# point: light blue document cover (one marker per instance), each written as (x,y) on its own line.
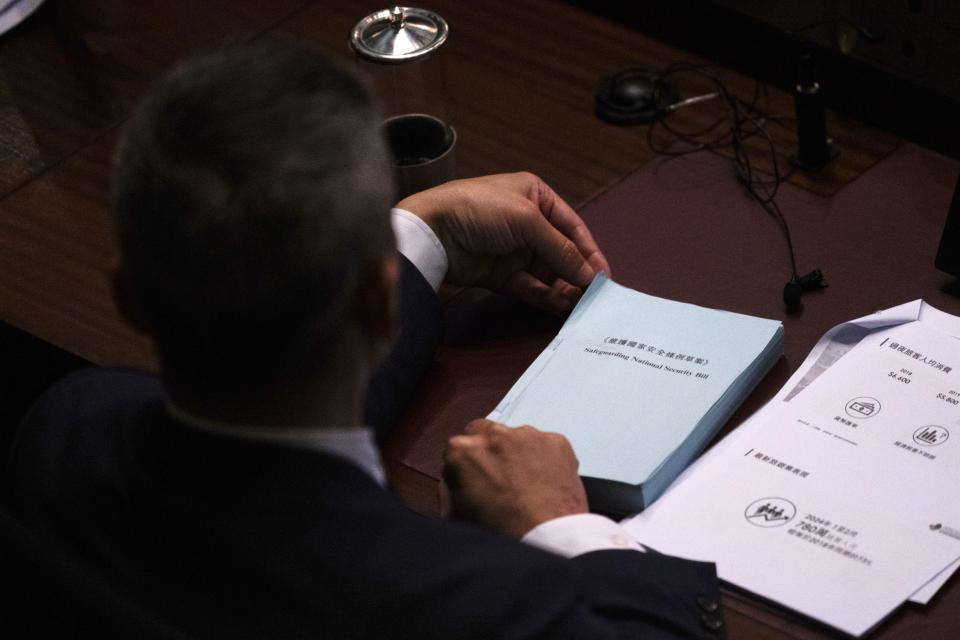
(639,385)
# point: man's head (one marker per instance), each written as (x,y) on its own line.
(251,196)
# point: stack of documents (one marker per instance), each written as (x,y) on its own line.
(639,385)
(838,498)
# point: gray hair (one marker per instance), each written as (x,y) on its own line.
(251,191)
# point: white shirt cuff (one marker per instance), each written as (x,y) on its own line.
(578,534)
(420,245)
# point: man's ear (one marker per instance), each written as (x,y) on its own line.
(380,300)
(127,301)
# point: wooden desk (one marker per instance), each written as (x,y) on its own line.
(520,81)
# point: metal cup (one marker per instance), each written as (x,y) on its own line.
(402,44)
(422,150)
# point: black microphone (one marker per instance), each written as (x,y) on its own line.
(791,294)
(795,288)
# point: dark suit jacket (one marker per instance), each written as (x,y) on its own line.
(226,537)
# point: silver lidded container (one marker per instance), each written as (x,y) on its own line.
(399,35)
(399,48)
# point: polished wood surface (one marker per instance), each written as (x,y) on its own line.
(520,79)
(519,83)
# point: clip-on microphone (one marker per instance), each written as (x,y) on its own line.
(795,288)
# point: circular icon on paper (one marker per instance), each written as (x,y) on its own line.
(863,408)
(770,512)
(930,435)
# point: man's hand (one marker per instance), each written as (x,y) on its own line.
(511,233)
(512,479)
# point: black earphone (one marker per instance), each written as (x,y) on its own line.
(633,96)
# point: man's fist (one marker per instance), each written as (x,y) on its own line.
(512,479)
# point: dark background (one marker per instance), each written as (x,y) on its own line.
(899,73)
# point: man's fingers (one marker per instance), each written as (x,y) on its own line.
(599,263)
(562,216)
(482,426)
(556,299)
(555,249)
(466,450)
(456,454)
